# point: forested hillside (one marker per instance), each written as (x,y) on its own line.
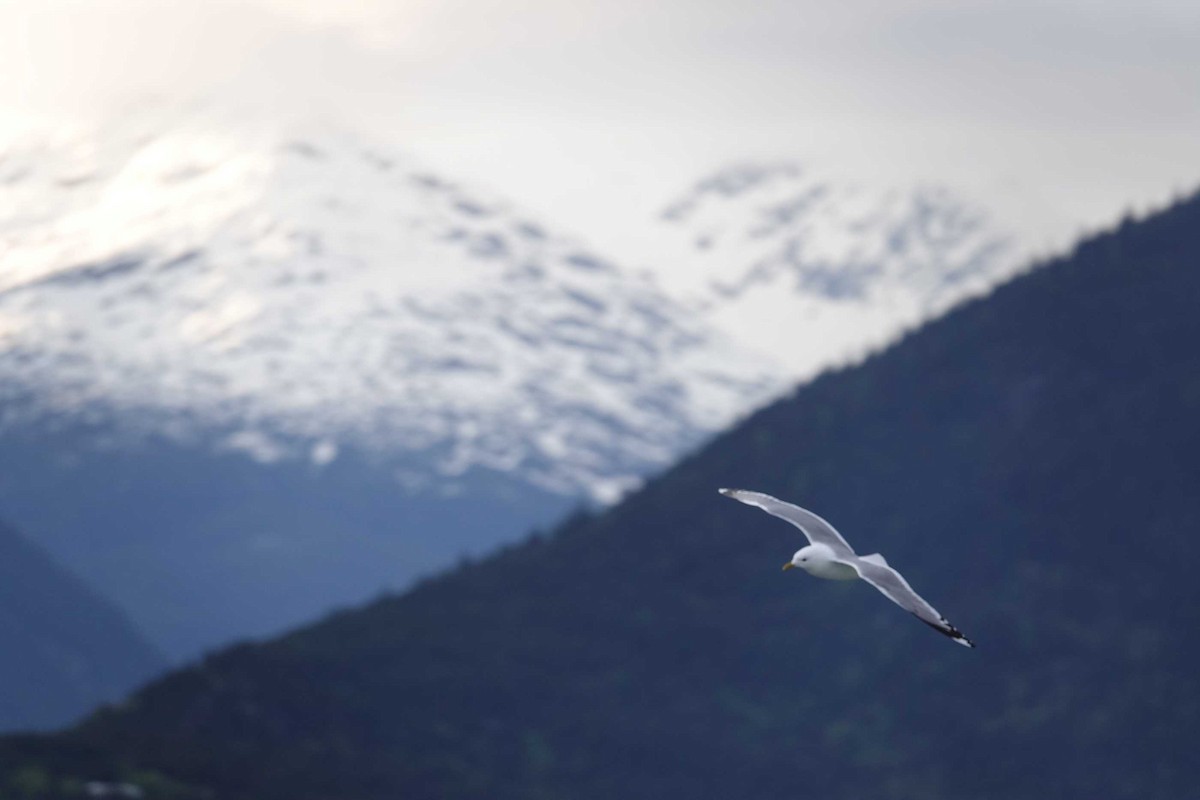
(1028,461)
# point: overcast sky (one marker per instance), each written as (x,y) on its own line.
(594,113)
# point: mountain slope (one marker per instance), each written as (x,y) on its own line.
(236,351)
(1026,461)
(63,649)
(817,270)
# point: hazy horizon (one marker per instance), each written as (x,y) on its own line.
(1057,117)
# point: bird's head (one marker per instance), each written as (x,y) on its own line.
(800,559)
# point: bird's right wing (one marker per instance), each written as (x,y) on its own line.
(816,529)
(893,586)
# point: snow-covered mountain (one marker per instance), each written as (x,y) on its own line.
(290,296)
(815,269)
(248,375)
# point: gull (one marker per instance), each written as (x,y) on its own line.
(829,556)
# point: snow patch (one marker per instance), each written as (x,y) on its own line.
(323,452)
(256,444)
(221,320)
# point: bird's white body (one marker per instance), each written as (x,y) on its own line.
(821,562)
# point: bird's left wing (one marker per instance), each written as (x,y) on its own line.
(816,529)
(895,588)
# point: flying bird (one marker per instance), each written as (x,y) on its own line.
(829,556)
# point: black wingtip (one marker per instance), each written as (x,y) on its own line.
(950,631)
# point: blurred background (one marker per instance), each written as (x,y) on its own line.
(305,304)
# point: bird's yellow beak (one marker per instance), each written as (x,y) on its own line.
(788,566)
